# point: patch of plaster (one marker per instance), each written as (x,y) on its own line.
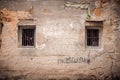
(71,25)
(48,32)
(42,46)
(81,5)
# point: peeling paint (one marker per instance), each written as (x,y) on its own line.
(13,17)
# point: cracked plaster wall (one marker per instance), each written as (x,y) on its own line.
(60,34)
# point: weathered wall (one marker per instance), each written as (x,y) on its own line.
(60,35)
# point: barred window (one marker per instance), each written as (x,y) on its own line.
(27,36)
(93,32)
(92,37)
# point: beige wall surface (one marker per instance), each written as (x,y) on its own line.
(60,51)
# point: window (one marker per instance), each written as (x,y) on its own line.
(26,36)
(93,32)
(92,37)
(1,26)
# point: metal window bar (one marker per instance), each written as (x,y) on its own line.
(27,37)
(92,37)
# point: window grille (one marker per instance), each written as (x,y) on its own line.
(92,37)
(27,37)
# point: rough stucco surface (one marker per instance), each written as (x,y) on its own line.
(60,34)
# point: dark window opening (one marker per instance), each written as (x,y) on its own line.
(27,37)
(1,26)
(92,37)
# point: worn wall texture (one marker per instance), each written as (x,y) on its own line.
(60,36)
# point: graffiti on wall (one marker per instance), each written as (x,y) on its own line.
(73,60)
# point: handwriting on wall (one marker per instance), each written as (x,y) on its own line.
(73,60)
